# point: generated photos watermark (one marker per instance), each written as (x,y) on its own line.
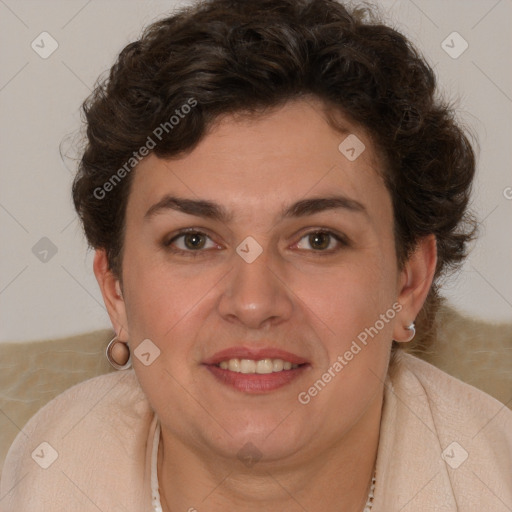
(304,397)
(158,133)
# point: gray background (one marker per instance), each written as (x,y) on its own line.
(39,107)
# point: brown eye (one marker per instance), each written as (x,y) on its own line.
(322,241)
(319,240)
(194,240)
(190,242)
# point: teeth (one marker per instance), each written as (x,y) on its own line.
(247,366)
(277,365)
(234,365)
(262,366)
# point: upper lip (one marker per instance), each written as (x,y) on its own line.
(257,354)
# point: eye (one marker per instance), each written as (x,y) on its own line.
(321,241)
(190,241)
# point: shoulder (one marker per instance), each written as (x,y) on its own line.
(95,398)
(464,417)
(444,390)
(444,444)
(106,418)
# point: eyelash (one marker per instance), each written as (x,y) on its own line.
(342,241)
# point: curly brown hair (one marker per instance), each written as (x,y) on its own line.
(245,56)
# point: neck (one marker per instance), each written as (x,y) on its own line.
(336,479)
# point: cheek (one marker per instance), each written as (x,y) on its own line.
(353,307)
(350,297)
(165,305)
(163,296)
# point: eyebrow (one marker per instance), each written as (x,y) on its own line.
(214,211)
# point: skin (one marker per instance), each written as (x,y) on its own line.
(294,296)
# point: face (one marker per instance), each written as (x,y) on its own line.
(265,244)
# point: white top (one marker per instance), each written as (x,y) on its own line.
(443,446)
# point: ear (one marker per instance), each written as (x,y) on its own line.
(414,284)
(110,287)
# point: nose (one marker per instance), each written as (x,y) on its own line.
(255,295)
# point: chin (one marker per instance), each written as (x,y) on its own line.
(259,441)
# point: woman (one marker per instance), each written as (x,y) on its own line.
(273,192)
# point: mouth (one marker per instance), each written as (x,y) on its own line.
(262,366)
(256,371)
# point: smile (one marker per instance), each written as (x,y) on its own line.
(262,366)
(255,370)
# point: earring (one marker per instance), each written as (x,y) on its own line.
(122,352)
(412,332)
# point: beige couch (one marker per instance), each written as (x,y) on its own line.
(33,373)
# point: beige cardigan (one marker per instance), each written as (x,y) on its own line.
(444,446)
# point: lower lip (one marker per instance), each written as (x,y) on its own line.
(256,383)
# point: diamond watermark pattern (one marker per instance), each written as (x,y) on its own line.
(44,45)
(45,455)
(44,250)
(454,455)
(454,45)
(147,352)
(249,249)
(249,454)
(351,147)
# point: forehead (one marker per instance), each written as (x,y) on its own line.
(260,163)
